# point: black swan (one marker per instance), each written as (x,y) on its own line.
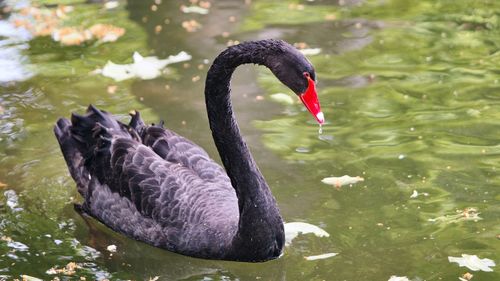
(155,186)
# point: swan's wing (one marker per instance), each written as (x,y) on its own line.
(130,188)
(174,197)
(177,149)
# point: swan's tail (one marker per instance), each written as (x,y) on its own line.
(85,143)
(74,158)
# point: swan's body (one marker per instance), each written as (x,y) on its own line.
(155,186)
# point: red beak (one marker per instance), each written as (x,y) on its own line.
(310,100)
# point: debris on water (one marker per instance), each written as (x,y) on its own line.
(51,22)
(473,262)
(111,89)
(18,246)
(6,238)
(304,48)
(341,181)
(320,130)
(469,213)
(302,149)
(69,269)
(310,51)
(320,257)
(58,242)
(401,156)
(293,229)
(71,36)
(106,32)
(194,9)
(111,248)
(25,277)
(191,25)
(415,194)
(154,278)
(398,278)
(466,277)
(282,98)
(143,67)
(109,5)
(2,185)
(12,200)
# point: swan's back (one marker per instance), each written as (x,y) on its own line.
(150,183)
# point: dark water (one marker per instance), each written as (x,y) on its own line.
(410,90)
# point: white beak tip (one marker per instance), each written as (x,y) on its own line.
(320,117)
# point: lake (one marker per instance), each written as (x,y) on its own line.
(410,91)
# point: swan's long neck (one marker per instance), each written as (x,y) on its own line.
(260,230)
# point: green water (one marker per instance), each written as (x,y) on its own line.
(411,94)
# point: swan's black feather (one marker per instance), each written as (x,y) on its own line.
(159,198)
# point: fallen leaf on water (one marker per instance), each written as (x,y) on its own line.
(106,32)
(109,5)
(320,257)
(111,248)
(293,229)
(71,36)
(2,185)
(310,51)
(473,262)
(143,67)
(112,89)
(415,194)
(6,238)
(466,277)
(194,9)
(30,278)
(191,25)
(341,181)
(69,269)
(398,278)
(466,214)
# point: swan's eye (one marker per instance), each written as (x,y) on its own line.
(307,75)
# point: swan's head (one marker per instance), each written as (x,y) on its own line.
(294,70)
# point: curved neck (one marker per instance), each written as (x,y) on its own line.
(260,230)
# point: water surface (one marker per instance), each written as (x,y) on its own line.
(410,91)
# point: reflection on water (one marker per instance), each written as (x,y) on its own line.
(12,43)
(409,89)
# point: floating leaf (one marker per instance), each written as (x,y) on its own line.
(18,246)
(473,262)
(466,214)
(71,36)
(143,67)
(111,248)
(466,277)
(106,32)
(341,181)
(69,269)
(30,278)
(310,51)
(415,194)
(191,25)
(399,278)
(293,229)
(111,5)
(194,9)
(320,257)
